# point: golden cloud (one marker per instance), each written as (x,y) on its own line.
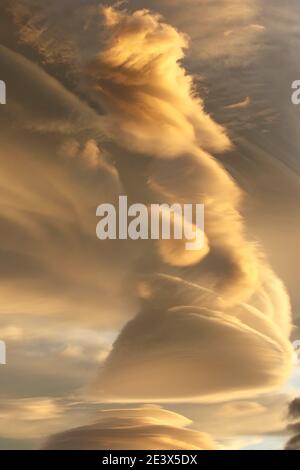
(143,428)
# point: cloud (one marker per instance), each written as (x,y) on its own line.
(33,419)
(148,427)
(294,408)
(36,20)
(28,417)
(49,201)
(89,155)
(171,344)
(151,107)
(224,30)
(147,92)
(294,442)
(159,134)
(242,418)
(54,110)
(294,427)
(149,100)
(11,333)
(249,307)
(208,23)
(241,104)
(196,179)
(182,252)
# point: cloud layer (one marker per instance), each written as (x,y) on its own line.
(212,326)
(248,306)
(143,428)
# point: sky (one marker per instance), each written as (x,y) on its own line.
(113,342)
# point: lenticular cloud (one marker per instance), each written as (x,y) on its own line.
(217,326)
(212,325)
(148,427)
